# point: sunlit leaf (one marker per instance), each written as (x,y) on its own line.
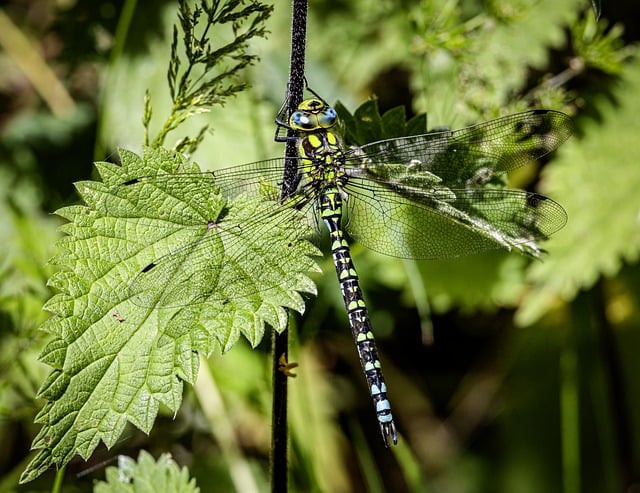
(152,273)
(597,180)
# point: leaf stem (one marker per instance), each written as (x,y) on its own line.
(57,482)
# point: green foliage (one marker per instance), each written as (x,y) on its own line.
(482,382)
(477,81)
(211,73)
(147,476)
(597,183)
(599,47)
(27,238)
(464,64)
(25,249)
(367,125)
(116,356)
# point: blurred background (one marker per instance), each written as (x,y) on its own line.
(506,374)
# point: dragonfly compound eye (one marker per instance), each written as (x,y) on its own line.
(302,120)
(327,118)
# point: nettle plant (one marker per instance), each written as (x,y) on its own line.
(164,263)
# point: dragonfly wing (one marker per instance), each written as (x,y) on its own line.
(470,156)
(445,223)
(262,177)
(197,247)
(188,274)
(219,263)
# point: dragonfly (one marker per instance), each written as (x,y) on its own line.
(431,196)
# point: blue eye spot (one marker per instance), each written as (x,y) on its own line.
(328,117)
(301,120)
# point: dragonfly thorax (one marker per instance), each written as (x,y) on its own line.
(322,159)
(313,114)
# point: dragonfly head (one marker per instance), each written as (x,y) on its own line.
(313,114)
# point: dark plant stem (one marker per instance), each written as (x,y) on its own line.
(279,476)
(295,89)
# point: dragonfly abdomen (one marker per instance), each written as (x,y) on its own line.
(331,213)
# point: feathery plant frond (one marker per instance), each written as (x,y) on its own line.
(210,73)
(601,46)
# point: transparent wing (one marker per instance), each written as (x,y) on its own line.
(444,223)
(202,249)
(253,178)
(415,197)
(469,156)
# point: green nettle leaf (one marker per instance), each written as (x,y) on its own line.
(597,179)
(147,476)
(155,268)
(368,125)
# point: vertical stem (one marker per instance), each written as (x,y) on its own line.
(279,476)
(570,416)
(57,482)
(295,89)
(614,374)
